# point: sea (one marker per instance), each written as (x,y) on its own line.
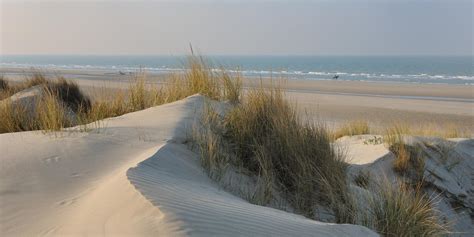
(403,69)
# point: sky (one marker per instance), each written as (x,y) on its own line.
(231,27)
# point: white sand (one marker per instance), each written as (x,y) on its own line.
(358,151)
(448,176)
(131,177)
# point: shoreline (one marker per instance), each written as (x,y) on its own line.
(365,88)
(334,102)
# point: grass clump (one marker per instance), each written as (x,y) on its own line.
(431,129)
(409,159)
(37,78)
(201,78)
(3,83)
(51,110)
(139,97)
(352,128)
(207,135)
(4,88)
(266,137)
(197,78)
(232,87)
(14,118)
(62,103)
(399,210)
(7,88)
(362,179)
(69,93)
(101,109)
(446,130)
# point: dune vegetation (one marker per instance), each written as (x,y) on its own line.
(409,159)
(53,110)
(260,134)
(351,128)
(427,129)
(397,209)
(265,136)
(62,104)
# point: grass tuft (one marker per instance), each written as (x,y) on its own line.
(63,104)
(139,97)
(37,78)
(14,118)
(409,159)
(362,179)
(266,137)
(3,83)
(399,210)
(69,93)
(232,87)
(51,112)
(352,128)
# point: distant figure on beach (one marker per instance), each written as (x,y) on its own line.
(335,77)
(122,73)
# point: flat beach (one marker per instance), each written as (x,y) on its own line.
(332,101)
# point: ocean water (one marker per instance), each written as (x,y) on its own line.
(442,70)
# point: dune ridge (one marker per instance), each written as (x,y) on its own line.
(447,175)
(207,210)
(131,177)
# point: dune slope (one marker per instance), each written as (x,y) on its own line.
(448,173)
(131,177)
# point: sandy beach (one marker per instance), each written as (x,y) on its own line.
(236,118)
(138,168)
(333,102)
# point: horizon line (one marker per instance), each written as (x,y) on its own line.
(253,55)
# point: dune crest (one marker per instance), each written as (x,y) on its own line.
(131,177)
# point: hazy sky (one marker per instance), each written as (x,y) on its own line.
(297,27)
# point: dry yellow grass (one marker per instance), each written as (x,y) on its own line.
(430,129)
(52,113)
(427,129)
(399,210)
(64,105)
(357,127)
(139,97)
(4,88)
(8,89)
(409,159)
(14,119)
(265,136)
(447,130)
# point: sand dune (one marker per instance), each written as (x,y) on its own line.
(131,177)
(448,174)
(204,209)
